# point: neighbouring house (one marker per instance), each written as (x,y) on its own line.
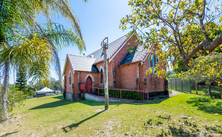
(126,69)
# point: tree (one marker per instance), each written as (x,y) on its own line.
(24,39)
(39,85)
(31,90)
(21,80)
(179,28)
(57,85)
(15,97)
(210,73)
(193,73)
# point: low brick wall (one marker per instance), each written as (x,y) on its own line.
(68,95)
(72,96)
(111,99)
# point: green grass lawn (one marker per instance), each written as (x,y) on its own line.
(181,115)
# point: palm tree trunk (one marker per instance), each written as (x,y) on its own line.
(5,86)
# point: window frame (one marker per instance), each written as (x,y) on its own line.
(70,78)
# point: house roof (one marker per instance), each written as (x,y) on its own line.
(113,48)
(82,63)
(139,54)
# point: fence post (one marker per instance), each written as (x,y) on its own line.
(98,91)
(147,96)
(181,85)
(120,93)
(143,95)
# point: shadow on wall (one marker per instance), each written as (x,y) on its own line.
(206,104)
(75,125)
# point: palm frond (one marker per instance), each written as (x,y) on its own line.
(34,52)
(63,37)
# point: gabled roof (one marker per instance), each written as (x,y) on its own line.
(139,54)
(81,63)
(113,48)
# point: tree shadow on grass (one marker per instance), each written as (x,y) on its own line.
(58,96)
(207,104)
(75,125)
(52,104)
(8,134)
(181,132)
(172,130)
(164,117)
(181,128)
(63,102)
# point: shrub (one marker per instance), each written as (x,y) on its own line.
(205,91)
(132,95)
(125,94)
(216,94)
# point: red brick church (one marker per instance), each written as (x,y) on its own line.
(126,70)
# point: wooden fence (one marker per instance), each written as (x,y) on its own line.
(178,84)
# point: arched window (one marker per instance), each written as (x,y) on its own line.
(101,76)
(70,77)
(153,59)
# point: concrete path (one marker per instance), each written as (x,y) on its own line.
(174,93)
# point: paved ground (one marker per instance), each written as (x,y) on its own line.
(174,93)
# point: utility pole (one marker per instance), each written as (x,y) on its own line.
(104,45)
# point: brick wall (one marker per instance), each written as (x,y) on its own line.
(128,75)
(110,73)
(82,76)
(69,69)
(118,58)
(153,82)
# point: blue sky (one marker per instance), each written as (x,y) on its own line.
(98,19)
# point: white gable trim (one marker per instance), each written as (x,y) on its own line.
(68,59)
(101,68)
(71,63)
(89,75)
(120,48)
(148,54)
(65,67)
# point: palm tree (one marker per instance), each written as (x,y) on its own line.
(22,39)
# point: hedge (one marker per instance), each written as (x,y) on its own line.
(125,94)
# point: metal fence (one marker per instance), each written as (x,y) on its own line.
(178,84)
